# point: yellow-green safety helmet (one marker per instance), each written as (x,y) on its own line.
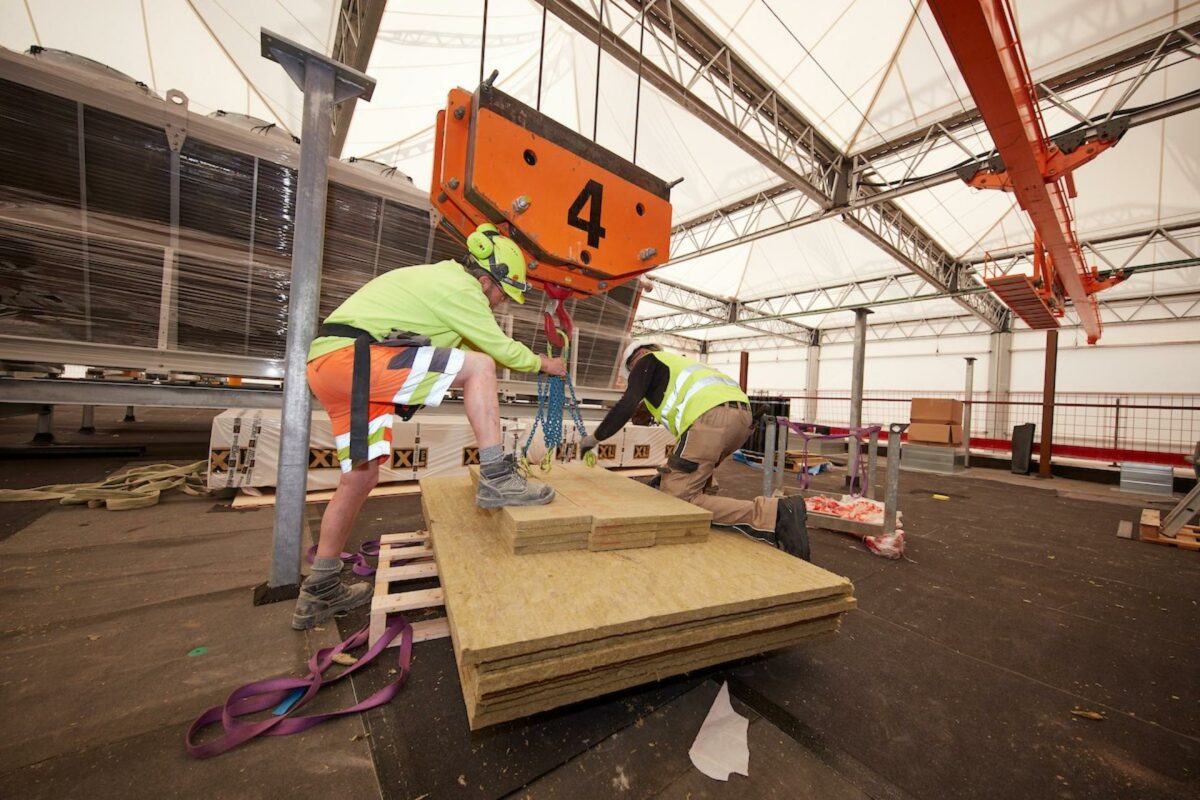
(501,257)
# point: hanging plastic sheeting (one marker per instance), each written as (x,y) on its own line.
(126,221)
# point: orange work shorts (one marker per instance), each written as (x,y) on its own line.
(411,376)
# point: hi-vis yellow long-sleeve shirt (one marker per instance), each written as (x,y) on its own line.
(441,301)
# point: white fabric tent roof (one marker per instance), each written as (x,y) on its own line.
(863,71)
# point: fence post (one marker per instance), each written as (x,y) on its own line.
(769,433)
(1117,432)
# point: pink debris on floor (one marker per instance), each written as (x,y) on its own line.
(865,510)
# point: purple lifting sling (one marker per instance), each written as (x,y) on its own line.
(266,694)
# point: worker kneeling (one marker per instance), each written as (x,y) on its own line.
(709,416)
(395,345)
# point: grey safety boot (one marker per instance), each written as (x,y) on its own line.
(502,484)
(320,601)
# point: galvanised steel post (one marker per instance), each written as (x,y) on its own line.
(325,82)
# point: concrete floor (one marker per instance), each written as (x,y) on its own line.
(956,677)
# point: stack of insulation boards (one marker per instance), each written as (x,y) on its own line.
(535,632)
(595,509)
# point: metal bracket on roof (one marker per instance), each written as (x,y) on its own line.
(844,184)
(176,126)
(295,58)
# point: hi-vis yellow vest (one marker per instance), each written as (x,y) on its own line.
(693,389)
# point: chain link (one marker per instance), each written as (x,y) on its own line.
(552,393)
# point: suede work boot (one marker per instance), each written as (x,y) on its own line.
(320,601)
(791,528)
(502,484)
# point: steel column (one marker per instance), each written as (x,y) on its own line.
(324,82)
(812,380)
(1048,404)
(968,401)
(44,434)
(999,381)
(859,364)
(853,445)
(88,423)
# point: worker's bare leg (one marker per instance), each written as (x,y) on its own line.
(323,594)
(477,379)
(343,508)
(500,483)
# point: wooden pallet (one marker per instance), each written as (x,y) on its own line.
(267,496)
(792,462)
(1188,537)
(413,548)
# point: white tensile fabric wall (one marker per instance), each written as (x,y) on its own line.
(863,72)
(1154,358)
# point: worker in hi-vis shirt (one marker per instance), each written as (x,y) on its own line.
(399,343)
(709,416)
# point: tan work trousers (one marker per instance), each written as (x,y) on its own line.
(711,439)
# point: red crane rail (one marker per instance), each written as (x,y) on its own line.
(984,43)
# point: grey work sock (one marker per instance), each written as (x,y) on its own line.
(324,568)
(490,455)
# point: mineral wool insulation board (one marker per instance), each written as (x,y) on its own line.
(537,631)
(596,509)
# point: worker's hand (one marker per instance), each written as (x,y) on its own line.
(587,443)
(553,366)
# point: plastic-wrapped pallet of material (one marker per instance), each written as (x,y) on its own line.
(244,449)
(645,445)
(632,446)
(567,450)
(136,234)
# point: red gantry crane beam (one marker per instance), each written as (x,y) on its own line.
(983,40)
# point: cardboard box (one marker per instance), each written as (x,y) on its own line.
(936,410)
(935,433)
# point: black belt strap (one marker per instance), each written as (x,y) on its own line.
(360,384)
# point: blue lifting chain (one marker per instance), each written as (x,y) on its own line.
(552,393)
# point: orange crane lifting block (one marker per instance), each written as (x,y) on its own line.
(587,219)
